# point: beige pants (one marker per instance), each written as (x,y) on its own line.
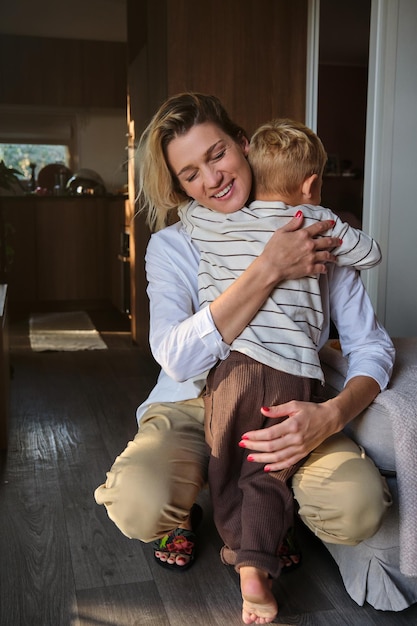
(154,482)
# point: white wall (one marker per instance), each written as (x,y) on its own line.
(102,146)
(390,206)
(97,137)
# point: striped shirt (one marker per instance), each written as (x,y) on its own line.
(285,332)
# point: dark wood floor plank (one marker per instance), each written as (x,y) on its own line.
(121,605)
(64,563)
(101,555)
(114,388)
(206,594)
(37,584)
(199,596)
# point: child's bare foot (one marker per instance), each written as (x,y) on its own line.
(259,604)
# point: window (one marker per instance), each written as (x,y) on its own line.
(21,155)
(36,137)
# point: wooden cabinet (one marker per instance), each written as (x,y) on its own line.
(4,368)
(65,249)
(72,263)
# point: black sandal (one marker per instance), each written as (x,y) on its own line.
(288,551)
(180,543)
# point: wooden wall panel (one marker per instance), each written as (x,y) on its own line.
(62,72)
(251,54)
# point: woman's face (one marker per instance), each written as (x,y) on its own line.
(211,167)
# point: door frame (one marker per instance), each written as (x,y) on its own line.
(379,127)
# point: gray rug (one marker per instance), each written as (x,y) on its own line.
(64,332)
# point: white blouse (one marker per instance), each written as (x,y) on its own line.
(186,344)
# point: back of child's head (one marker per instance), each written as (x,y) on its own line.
(282,154)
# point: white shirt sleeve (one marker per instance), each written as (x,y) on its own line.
(183,339)
(364,341)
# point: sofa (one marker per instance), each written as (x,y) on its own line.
(383,569)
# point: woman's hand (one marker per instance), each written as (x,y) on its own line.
(292,252)
(284,444)
(307,425)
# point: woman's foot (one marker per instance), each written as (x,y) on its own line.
(259,604)
(176,551)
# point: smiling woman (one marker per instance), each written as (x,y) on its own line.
(190,113)
(219,176)
(168,457)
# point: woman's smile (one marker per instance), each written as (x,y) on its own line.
(224,191)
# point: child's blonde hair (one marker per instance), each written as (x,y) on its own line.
(283,153)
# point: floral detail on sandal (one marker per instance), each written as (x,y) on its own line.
(176,551)
(179,543)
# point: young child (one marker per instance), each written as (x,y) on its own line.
(275,358)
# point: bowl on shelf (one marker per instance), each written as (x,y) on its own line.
(86,182)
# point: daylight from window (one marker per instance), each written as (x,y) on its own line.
(20,156)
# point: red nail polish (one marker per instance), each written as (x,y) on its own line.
(250,457)
(267,469)
(244,437)
(242,444)
(266,408)
(299,214)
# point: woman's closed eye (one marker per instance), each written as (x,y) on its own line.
(215,157)
(191,177)
(219,155)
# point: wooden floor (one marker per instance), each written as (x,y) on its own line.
(63,562)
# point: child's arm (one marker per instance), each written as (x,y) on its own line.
(357,249)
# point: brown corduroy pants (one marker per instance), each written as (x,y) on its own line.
(253,509)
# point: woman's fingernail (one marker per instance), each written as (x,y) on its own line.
(340,242)
(266,408)
(299,214)
(244,437)
(242,444)
(267,468)
(250,457)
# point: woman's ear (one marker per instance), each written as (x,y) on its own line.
(244,143)
(309,185)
